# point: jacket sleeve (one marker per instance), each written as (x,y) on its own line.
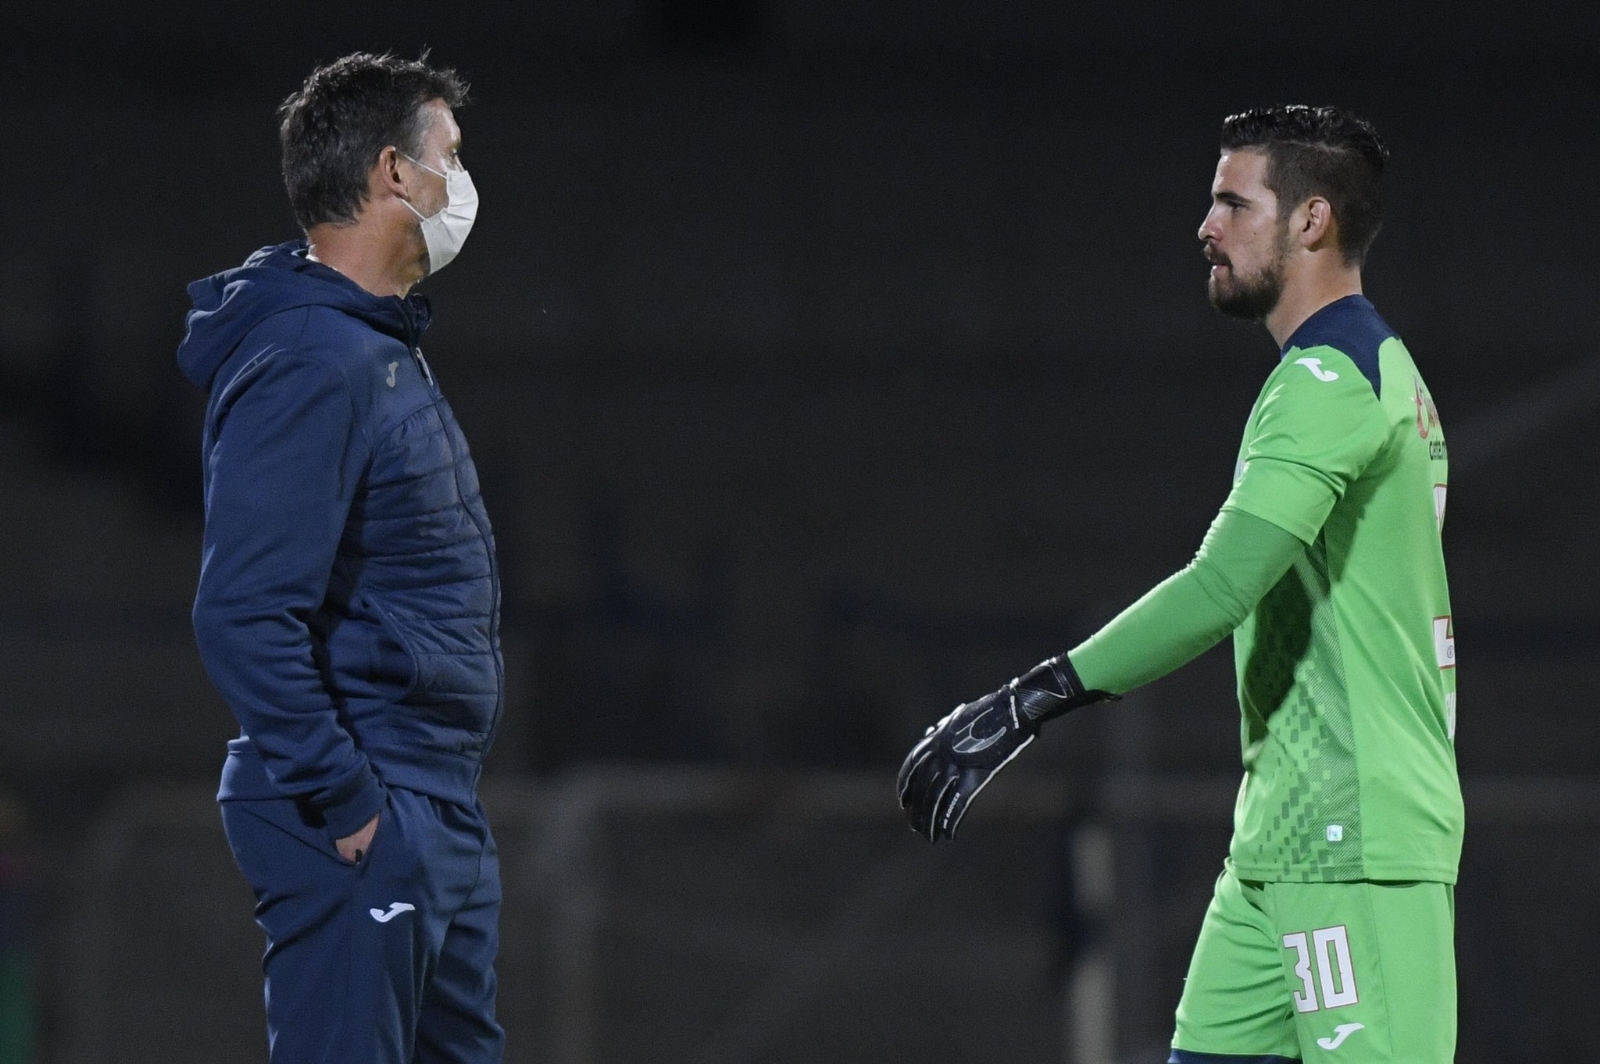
(285,460)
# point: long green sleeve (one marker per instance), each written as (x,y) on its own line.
(1238,562)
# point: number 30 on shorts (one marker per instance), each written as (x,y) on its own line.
(1328,950)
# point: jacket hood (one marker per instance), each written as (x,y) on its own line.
(228,305)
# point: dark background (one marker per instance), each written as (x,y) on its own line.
(825,365)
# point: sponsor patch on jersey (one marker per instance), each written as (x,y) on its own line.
(1427,413)
(1444,642)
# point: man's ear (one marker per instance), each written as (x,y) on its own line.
(385,173)
(1315,225)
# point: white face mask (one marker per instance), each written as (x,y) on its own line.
(445,232)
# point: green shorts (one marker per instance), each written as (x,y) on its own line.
(1348,972)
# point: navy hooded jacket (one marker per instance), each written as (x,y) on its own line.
(348,607)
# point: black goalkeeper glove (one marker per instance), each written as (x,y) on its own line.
(958,756)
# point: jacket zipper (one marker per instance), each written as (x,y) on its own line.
(483,533)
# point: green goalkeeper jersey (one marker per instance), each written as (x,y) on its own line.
(1346,667)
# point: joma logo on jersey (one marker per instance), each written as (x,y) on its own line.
(1315,366)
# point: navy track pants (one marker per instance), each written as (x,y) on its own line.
(387,961)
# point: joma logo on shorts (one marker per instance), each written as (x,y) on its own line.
(1340,1033)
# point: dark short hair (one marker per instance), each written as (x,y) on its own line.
(333,127)
(1319,151)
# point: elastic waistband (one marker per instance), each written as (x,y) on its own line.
(445,776)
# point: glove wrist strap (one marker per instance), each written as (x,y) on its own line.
(1048,690)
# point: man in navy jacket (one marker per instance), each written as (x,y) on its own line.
(348,605)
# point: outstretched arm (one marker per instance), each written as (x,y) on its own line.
(1238,562)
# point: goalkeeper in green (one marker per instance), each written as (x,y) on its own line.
(1329,936)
